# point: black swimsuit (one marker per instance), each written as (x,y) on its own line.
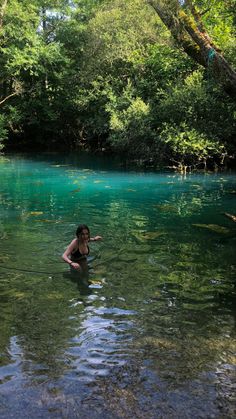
(78,255)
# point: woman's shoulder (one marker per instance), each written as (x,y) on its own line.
(74,243)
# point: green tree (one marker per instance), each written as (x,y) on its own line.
(109,75)
(186,25)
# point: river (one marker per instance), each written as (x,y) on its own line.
(149,332)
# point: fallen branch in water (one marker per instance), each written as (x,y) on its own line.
(231,216)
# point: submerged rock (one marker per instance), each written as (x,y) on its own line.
(167,208)
(213,227)
(149,235)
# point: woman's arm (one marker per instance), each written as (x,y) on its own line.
(68,251)
(94,239)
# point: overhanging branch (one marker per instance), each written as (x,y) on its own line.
(8,97)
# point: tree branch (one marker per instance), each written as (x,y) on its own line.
(231,216)
(8,97)
(190,34)
(198,20)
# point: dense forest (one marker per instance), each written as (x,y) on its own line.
(153,81)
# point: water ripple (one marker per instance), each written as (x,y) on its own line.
(101,341)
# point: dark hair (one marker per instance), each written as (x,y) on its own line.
(80,228)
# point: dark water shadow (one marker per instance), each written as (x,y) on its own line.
(80,278)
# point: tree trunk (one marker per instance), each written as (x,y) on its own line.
(189,32)
(2,11)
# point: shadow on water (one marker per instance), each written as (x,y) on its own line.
(81,278)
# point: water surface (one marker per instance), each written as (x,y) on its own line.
(150,332)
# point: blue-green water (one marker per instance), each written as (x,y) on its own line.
(151,332)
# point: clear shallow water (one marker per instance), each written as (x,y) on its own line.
(150,333)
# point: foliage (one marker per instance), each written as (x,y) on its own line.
(187,28)
(3,131)
(220,19)
(107,75)
(130,128)
(194,102)
(118,35)
(188,147)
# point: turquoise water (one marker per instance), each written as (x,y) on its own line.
(150,331)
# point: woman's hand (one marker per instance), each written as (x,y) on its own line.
(75,266)
(97,238)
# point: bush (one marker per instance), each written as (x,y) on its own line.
(130,130)
(189,148)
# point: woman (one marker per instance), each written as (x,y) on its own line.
(78,249)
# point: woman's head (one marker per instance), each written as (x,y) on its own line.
(81,230)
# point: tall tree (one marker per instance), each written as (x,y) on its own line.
(186,25)
(2,11)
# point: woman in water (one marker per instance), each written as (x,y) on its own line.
(78,249)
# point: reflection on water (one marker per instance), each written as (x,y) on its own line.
(147,329)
